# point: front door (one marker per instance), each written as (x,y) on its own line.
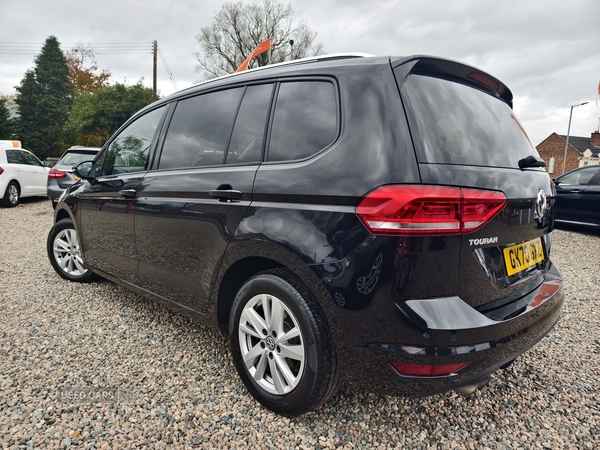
(107,206)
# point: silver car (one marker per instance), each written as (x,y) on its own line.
(61,175)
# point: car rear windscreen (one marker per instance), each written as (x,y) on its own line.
(452,123)
(72,158)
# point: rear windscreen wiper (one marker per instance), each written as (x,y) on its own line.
(531,161)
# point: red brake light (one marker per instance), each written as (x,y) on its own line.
(423,210)
(55,173)
(1,170)
(483,79)
(426,370)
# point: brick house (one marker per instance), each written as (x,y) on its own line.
(554,146)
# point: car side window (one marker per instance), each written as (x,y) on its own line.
(30,159)
(14,157)
(579,177)
(305,120)
(249,129)
(199,130)
(128,152)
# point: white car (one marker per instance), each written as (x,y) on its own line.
(21,174)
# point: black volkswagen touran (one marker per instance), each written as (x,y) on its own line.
(380,221)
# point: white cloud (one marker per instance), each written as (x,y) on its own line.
(546,51)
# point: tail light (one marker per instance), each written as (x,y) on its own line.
(55,173)
(1,170)
(411,210)
(427,370)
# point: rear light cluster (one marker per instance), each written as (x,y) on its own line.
(1,170)
(411,210)
(55,173)
(427,370)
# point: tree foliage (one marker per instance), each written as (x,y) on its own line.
(6,126)
(238,28)
(83,71)
(95,116)
(44,100)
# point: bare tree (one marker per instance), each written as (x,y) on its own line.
(238,28)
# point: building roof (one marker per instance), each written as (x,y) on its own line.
(581,144)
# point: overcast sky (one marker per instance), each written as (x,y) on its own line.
(546,51)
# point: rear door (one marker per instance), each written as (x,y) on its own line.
(37,174)
(190,206)
(29,172)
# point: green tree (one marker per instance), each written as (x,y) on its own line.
(95,116)
(238,28)
(44,100)
(6,126)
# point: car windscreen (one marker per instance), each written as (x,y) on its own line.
(72,158)
(452,123)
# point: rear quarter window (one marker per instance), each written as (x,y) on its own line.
(453,123)
(305,120)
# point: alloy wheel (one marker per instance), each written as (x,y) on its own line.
(271,344)
(13,194)
(67,253)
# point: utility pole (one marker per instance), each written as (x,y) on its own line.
(154,49)
(564,165)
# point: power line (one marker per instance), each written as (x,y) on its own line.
(99,48)
(167,68)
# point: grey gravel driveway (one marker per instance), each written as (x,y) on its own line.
(158,380)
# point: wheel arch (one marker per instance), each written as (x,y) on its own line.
(235,275)
(62,214)
(13,180)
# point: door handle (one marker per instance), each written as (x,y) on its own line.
(225,194)
(575,191)
(128,193)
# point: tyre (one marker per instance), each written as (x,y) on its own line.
(12,195)
(65,253)
(281,345)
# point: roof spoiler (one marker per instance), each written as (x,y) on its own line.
(454,71)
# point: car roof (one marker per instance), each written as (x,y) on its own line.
(79,148)
(313,65)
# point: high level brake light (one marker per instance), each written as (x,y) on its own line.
(411,210)
(55,173)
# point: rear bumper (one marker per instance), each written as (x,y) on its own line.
(54,191)
(448,331)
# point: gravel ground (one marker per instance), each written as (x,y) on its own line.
(178,387)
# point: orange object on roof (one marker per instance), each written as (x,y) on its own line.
(260,49)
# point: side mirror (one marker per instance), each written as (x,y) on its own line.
(47,164)
(85,170)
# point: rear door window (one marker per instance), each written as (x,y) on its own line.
(14,157)
(305,120)
(249,130)
(453,123)
(199,131)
